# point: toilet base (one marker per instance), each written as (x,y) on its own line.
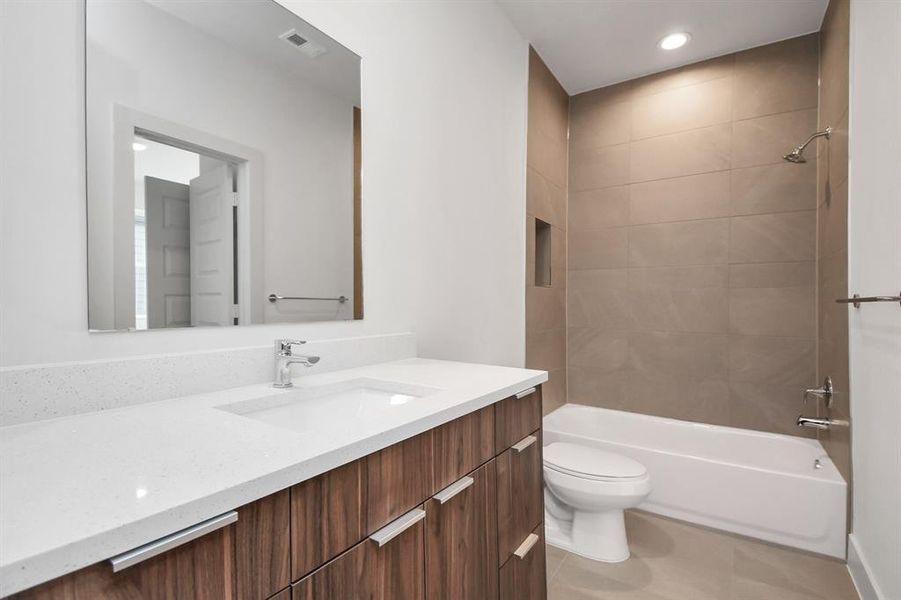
(599,536)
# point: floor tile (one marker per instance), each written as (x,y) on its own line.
(672,560)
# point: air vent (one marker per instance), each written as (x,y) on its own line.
(311,49)
(295,40)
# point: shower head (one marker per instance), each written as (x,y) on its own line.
(797,155)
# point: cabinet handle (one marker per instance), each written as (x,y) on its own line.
(524,443)
(453,489)
(525,393)
(526,546)
(142,553)
(397,526)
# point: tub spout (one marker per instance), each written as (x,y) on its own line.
(820,423)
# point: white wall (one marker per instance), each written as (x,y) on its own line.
(444,104)
(874,257)
(148,60)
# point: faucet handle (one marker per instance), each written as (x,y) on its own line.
(825,392)
(283,346)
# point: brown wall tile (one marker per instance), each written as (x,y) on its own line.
(599,298)
(688,75)
(605,249)
(596,124)
(773,275)
(595,168)
(773,311)
(765,140)
(703,196)
(692,245)
(687,243)
(599,209)
(546,191)
(686,153)
(774,188)
(682,109)
(777,78)
(781,237)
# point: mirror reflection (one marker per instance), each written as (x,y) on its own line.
(223,167)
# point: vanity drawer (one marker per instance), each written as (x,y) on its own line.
(397,479)
(520,493)
(459,447)
(524,576)
(386,566)
(516,417)
(328,516)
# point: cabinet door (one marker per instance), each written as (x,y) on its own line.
(461,539)
(523,577)
(520,493)
(390,567)
(199,570)
(263,547)
(397,479)
(328,516)
(462,445)
(516,417)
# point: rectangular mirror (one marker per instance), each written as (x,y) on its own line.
(223,166)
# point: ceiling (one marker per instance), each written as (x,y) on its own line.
(589,44)
(255,27)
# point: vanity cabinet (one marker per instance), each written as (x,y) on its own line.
(387,569)
(461,538)
(520,493)
(452,513)
(202,569)
(523,576)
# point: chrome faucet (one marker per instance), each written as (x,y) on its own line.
(820,422)
(284,358)
(825,391)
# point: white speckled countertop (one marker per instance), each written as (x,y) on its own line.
(81,489)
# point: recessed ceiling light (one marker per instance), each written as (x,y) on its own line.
(674,40)
(138,147)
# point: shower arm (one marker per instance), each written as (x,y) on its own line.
(827,133)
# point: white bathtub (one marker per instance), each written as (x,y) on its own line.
(762,485)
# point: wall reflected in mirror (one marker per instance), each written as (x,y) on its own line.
(223,167)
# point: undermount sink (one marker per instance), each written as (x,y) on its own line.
(353,403)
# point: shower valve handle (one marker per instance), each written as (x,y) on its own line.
(825,392)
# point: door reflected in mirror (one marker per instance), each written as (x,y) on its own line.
(223,167)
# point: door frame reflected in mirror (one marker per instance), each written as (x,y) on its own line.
(248,166)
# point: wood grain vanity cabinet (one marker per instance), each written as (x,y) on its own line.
(200,570)
(461,538)
(453,513)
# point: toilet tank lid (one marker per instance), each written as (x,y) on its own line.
(577,458)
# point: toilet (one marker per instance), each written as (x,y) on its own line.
(586,492)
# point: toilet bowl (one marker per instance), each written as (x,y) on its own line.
(586,492)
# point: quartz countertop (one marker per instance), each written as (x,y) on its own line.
(78,490)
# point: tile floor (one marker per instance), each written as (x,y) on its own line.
(675,561)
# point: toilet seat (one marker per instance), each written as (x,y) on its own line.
(590,463)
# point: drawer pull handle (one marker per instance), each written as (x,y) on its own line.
(397,526)
(526,546)
(453,489)
(142,553)
(524,443)
(525,393)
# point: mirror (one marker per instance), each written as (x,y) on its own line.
(223,166)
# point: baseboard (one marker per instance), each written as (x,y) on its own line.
(860,573)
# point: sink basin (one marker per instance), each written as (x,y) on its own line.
(356,404)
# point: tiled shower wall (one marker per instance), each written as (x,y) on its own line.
(832,228)
(546,200)
(692,244)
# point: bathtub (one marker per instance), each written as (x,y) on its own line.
(773,487)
